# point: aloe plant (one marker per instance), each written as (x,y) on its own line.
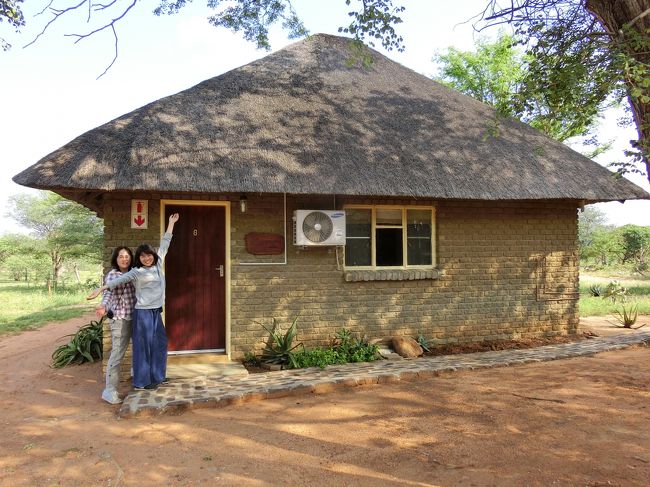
(627,318)
(423,342)
(596,290)
(86,345)
(279,348)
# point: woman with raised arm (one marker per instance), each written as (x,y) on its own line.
(149,337)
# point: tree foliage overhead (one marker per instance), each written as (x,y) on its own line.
(491,74)
(11,13)
(499,74)
(251,17)
(370,20)
(584,54)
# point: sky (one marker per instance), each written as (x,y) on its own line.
(51,94)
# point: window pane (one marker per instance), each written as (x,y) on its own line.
(357,223)
(357,252)
(358,228)
(419,251)
(418,234)
(387,216)
(389,247)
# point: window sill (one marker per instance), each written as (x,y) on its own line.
(391,275)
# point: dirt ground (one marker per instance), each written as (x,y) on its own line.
(574,422)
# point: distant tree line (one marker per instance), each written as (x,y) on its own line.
(603,245)
(63,235)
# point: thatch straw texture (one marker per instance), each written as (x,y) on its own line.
(303,121)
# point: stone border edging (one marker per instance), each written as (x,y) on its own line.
(218,391)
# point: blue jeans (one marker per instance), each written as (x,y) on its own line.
(149,347)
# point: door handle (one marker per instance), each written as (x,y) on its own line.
(220,269)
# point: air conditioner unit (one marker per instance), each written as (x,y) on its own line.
(318,227)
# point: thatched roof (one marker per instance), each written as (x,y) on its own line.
(303,121)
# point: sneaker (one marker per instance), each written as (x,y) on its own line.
(111,397)
(151,386)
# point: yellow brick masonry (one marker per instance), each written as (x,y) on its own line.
(509,271)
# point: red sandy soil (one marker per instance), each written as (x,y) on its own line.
(574,422)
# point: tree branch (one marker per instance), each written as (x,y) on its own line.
(57,14)
(638,17)
(44,9)
(104,6)
(111,24)
(114,57)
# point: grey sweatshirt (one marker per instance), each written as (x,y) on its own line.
(149,282)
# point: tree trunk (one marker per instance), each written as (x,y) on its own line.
(57,264)
(613,15)
(76,272)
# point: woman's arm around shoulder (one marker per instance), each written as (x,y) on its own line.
(111,284)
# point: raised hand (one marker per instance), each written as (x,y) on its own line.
(173,218)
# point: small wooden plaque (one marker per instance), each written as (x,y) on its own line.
(264,243)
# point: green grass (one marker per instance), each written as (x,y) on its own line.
(638,291)
(29,307)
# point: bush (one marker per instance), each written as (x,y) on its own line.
(280,350)
(319,357)
(344,349)
(251,359)
(615,291)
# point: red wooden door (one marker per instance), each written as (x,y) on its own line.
(195,270)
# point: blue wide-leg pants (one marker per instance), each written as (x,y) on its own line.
(149,347)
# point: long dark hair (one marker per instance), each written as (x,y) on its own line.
(145,249)
(116,253)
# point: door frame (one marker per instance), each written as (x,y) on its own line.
(226,205)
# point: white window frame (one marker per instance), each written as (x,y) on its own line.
(373,237)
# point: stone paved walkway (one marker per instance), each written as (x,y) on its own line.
(217,391)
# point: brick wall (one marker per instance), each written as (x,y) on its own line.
(510,270)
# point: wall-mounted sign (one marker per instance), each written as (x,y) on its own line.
(139,214)
(264,243)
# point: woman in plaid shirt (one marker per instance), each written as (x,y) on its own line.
(118,304)
(149,336)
